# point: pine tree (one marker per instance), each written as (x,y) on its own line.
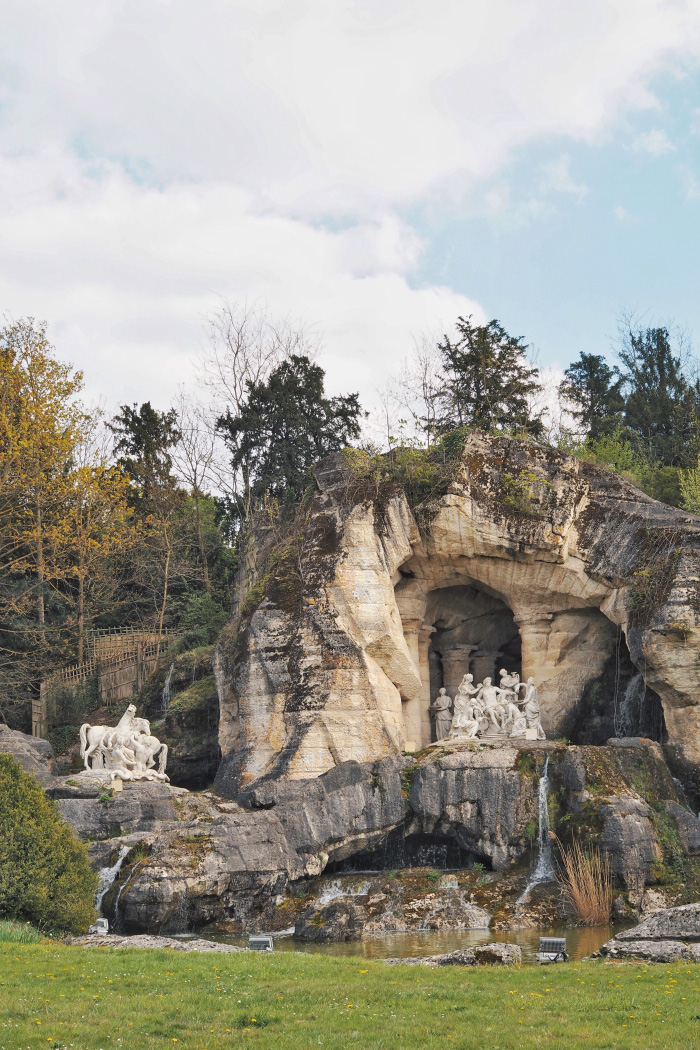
(662,408)
(286,425)
(488,382)
(595,391)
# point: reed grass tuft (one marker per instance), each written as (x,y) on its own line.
(585,878)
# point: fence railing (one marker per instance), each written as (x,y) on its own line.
(113,674)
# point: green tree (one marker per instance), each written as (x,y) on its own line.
(286,424)
(488,382)
(45,875)
(662,407)
(594,391)
(145,438)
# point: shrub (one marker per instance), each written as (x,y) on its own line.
(18,932)
(585,878)
(45,875)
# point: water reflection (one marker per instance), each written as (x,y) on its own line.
(580,942)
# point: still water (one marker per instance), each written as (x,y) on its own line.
(580,942)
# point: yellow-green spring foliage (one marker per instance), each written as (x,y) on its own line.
(45,875)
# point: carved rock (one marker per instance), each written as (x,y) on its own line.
(338,668)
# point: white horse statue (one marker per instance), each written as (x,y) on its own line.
(126,750)
(92,737)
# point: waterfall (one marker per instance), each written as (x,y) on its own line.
(108,875)
(628,718)
(335,888)
(544,868)
(165,695)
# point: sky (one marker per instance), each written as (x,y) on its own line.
(372,168)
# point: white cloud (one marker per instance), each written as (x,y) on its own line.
(656,142)
(157,153)
(558,177)
(689,182)
(623,216)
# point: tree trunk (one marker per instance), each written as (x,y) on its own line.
(40,570)
(166,576)
(200,540)
(81,611)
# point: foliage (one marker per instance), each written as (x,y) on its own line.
(45,875)
(18,932)
(585,877)
(422,473)
(63,514)
(661,405)
(286,424)
(487,381)
(690,488)
(594,395)
(145,438)
(55,995)
(201,618)
(523,492)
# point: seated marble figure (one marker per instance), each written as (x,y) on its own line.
(509,709)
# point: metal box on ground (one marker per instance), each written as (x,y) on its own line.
(261,942)
(552,950)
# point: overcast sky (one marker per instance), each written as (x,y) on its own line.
(373,167)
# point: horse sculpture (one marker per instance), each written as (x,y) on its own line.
(126,750)
(92,737)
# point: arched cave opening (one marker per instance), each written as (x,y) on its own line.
(618,704)
(473,632)
(398,851)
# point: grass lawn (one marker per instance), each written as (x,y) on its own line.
(94,999)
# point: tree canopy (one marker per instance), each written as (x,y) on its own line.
(286,424)
(487,381)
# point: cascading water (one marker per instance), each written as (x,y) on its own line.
(628,717)
(108,875)
(338,888)
(544,868)
(165,695)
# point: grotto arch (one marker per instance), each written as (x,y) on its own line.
(534,617)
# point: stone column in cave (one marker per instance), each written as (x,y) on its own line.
(416,711)
(455,664)
(534,633)
(486,664)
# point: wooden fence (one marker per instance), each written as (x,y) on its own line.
(117,669)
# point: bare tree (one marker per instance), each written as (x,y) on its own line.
(246,343)
(419,384)
(194,458)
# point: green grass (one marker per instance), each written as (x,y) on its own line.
(86,999)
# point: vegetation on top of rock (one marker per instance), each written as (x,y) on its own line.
(45,875)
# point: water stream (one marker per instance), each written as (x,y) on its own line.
(544,868)
(108,875)
(165,695)
(628,718)
(581,941)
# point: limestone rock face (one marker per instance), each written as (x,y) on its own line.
(33,754)
(531,559)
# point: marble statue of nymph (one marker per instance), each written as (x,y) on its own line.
(467,712)
(443,718)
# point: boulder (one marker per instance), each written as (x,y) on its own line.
(493,954)
(33,754)
(666,936)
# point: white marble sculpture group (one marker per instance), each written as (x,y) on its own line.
(489,710)
(127,750)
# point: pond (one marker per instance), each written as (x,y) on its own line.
(580,942)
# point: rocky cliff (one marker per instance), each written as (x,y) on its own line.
(525,558)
